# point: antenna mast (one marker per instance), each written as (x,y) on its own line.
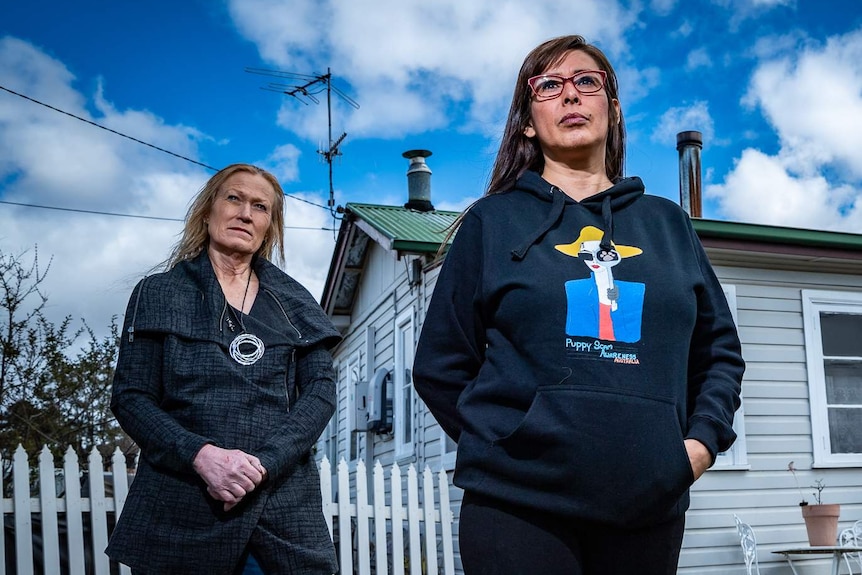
(305,92)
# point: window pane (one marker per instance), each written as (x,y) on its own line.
(332,439)
(353,382)
(407,419)
(845,430)
(841,334)
(843,382)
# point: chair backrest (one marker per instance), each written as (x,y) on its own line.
(749,546)
(852,536)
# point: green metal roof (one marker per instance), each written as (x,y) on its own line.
(407,230)
(422,232)
(777,235)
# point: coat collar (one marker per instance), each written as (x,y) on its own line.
(188,301)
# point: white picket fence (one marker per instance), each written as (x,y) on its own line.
(389,521)
(402,537)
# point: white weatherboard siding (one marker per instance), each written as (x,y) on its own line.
(382,298)
(380,272)
(778,430)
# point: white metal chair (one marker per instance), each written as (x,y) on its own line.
(852,536)
(749,546)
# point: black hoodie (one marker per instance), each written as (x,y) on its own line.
(570,348)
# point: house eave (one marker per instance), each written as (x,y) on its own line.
(778,235)
(416,248)
(774,247)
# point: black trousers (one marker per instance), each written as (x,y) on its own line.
(500,539)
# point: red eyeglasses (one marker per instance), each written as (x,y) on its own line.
(550,86)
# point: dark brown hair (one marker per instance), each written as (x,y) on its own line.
(518,153)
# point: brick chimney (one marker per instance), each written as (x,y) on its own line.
(418,181)
(689,145)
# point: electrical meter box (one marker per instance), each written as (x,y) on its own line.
(379,402)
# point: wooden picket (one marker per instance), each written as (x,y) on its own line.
(428,547)
(426,550)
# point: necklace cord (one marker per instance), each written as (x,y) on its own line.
(242,305)
(245,338)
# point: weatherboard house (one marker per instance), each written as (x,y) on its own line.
(797,299)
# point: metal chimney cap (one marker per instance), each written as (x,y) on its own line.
(410,154)
(690,137)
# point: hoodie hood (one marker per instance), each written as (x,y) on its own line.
(621,194)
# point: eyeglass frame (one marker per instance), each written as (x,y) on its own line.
(563,79)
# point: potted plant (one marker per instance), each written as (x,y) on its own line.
(821,519)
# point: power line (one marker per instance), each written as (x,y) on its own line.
(50,107)
(91,212)
(115,214)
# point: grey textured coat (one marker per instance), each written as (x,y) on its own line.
(176,389)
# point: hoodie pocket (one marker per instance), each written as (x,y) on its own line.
(611,456)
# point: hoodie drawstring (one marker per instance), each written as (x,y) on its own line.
(608,217)
(553,216)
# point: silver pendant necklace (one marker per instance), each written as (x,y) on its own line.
(246,348)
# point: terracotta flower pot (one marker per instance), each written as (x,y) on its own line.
(821,521)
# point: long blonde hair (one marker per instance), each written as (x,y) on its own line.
(195,235)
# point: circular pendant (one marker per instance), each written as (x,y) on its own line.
(246,349)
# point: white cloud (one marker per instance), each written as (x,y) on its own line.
(747,9)
(813,99)
(405,63)
(762,189)
(455,206)
(285,32)
(47,158)
(44,76)
(663,7)
(51,159)
(698,58)
(771,3)
(283,163)
(773,46)
(308,251)
(675,120)
(685,29)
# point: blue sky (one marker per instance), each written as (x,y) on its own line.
(774,85)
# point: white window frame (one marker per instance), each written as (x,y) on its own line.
(814,302)
(332,431)
(354,376)
(737,456)
(403,385)
(330,440)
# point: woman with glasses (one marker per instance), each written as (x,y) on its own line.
(578,345)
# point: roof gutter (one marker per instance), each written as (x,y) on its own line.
(763,234)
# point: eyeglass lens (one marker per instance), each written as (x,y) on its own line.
(551,85)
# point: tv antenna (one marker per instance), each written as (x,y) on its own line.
(305,88)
